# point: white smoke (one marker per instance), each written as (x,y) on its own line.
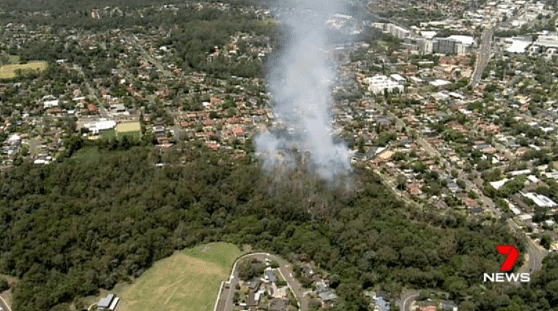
(300,78)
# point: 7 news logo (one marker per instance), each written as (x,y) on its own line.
(511,258)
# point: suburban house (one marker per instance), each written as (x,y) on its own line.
(255,284)
(278,304)
(448,306)
(108,303)
(325,293)
(380,302)
(269,276)
(428,305)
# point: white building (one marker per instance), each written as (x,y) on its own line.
(428,34)
(439,83)
(377,84)
(100,125)
(14,139)
(108,303)
(545,40)
(398,78)
(456,44)
(397,31)
(51,103)
(426,46)
(394,30)
(540,200)
(518,44)
(499,183)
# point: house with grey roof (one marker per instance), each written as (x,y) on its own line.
(448,306)
(254,284)
(108,303)
(269,276)
(381,304)
(327,296)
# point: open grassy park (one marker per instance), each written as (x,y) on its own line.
(134,135)
(108,134)
(187,281)
(9,71)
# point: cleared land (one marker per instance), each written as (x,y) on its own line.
(187,281)
(128,127)
(8,71)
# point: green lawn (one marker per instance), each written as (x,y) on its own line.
(9,71)
(135,134)
(87,153)
(222,254)
(108,134)
(14,59)
(112,134)
(187,281)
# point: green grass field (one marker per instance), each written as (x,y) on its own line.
(113,133)
(14,59)
(8,71)
(134,134)
(108,134)
(187,281)
(87,153)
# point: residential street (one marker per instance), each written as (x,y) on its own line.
(407,300)
(286,271)
(4,305)
(535,252)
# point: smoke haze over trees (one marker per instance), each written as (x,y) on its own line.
(300,78)
(68,229)
(105,216)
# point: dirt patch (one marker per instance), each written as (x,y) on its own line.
(205,249)
(128,127)
(246,248)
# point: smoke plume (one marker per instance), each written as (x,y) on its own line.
(300,78)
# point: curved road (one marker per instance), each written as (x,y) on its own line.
(408,300)
(536,253)
(4,305)
(285,269)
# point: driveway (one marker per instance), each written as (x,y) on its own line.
(407,300)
